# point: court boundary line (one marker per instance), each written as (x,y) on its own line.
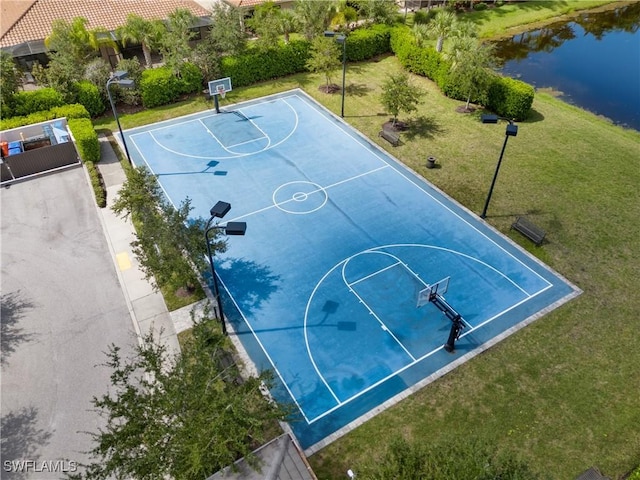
(273,365)
(354,134)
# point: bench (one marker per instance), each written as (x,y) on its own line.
(529,230)
(391,137)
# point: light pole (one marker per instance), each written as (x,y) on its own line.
(219,210)
(119,77)
(341,38)
(512,131)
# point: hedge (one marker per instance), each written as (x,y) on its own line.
(190,78)
(86,139)
(365,43)
(254,66)
(88,94)
(159,86)
(26,103)
(97,184)
(505,96)
(74,110)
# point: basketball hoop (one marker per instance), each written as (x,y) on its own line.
(221,91)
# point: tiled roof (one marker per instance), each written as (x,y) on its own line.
(35,22)
(251,3)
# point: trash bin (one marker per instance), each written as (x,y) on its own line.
(431,162)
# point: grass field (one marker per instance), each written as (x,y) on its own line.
(563,392)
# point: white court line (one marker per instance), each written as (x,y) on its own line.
(321,111)
(428,354)
(260,210)
(264,350)
(409,365)
(234,155)
(366,277)
(248,141)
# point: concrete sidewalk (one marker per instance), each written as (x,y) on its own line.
(146,306)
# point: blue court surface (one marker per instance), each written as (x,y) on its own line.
(341,239)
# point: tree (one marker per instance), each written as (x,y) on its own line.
(441,27)
(9,80)
(169,244)
(227,35)
(314,16)
(460,458)
(287,24)
(399,95)
(382,11)
(324,58)
(182,417)
(470,64)
(147,33)
(175,42)
(75,40)
(265,23)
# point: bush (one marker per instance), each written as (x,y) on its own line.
(365,43)
(505,96)
(88,94)
(253,67)
(159,86)
(480,6)
(69,111)
(190,78)
(25,103)
(424,16)
(510,98)
(98,185)
(86,139)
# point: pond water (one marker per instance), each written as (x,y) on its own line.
(593,61)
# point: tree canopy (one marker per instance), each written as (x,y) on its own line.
(399,95)
(182,417)
(324,58)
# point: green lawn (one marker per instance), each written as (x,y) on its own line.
(563,392)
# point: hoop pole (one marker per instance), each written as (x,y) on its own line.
(216,103)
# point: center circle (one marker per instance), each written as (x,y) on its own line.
(300,197)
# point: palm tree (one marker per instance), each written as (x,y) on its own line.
(470,64)
(441,27)
(148,33)
(287,24)
(314,16)
(75,40)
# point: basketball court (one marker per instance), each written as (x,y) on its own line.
(357,281)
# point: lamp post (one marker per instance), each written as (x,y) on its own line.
(119,77)
(511,131)
(341,38)
(219,210)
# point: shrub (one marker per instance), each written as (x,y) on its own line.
(98,185)
(25,103)
(365,43)
(88,94)
(253,67)
(424,16)
(86,139)
(129,96)
(190,78)
(159,86)
(510,98)
(480,6)
(69,111)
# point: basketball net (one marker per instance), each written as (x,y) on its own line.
(221,91)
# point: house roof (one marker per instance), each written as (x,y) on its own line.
(30,20)
(252,3)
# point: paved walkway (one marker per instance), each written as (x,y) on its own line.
(146,306)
